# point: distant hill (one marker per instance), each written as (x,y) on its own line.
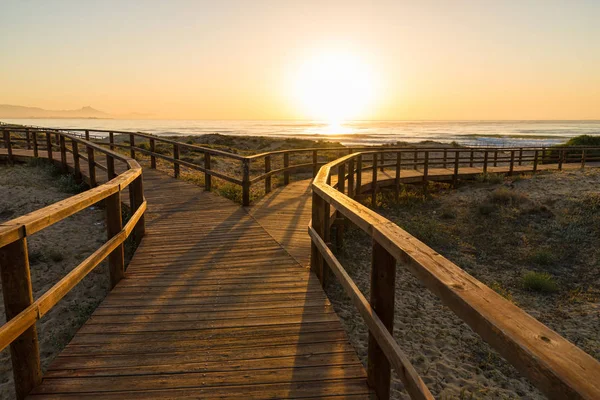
(10,111)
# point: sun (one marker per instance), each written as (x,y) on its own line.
(334,87)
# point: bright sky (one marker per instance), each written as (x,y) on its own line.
(304,59)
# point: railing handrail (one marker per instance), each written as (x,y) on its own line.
(22,312)
(556,366)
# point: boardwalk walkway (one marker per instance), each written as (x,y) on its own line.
(218,302)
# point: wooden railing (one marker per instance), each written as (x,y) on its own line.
(21,311)
(553,364)
(254,169)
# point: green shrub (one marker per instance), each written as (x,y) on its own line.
(539,282)
(490,178)
(542,257)
(505,196)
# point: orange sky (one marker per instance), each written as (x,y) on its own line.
(244,59)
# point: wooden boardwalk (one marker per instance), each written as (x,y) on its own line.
(218,302)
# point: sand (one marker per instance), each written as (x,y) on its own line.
(53,252)
(557,212)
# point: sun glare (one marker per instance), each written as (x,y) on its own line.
(334,87)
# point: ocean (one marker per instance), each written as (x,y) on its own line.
(354,133)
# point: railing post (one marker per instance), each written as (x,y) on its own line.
(358,182)
(28,139)
(176,159)
(286,164)
(425,168)
(445,158)
(351,178)
(132,145)
(512,162)
(543,155)
(374,180)
(416,160)
(76,166)
(114,224)
(35,143)
(456,160)
(382,298)
(136,198)
(471,157)
(397,180)
(267,170)
(63,153)
(87,135)
(583,158)
(110,167)
(561,154)
(521,156)
(152,151)
(17,292)
(495,158)
(57,138)
(315,160)
(246,181)
(318,224)
(535,161)
(91,166)
(207,176)
(342,177)
(49,145)
(485,161)
(111,140)
(8,145)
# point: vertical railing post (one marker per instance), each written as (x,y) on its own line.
(561,154)
(485,161)
(521,156)
(132,145)
(57,138)
(18,295)
(358,182)
(63,153)
(114,224)
(425,169)
(471,157)
(76,166)
(445,158)
(207,176)
(456,161)
(374,180)
(110,167)
(318,224)
(111,140)
(8,144)
(535,161)
(583,158)
(315,160)
(342,177)
(495,158)
(152,156)
(397,178)
(176,160)
(512,162)
(286,164)
(246,181)
(268,177)
(49,145)
(351,178)
(91,166)
(28,138)
(136,198)
(416,160)
(35,143)
(87,135)
(382,298)
(543,155)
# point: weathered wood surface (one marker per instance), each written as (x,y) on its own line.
(211,305)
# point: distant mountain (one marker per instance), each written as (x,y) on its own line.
(10,111)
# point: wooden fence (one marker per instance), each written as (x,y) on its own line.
(254,169)
(553,364)
(22,312)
